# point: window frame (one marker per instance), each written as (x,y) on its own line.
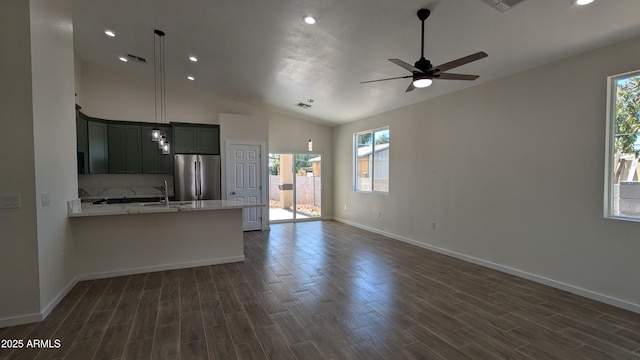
(354,158)
(608,208)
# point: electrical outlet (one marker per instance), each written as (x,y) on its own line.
(433,226)
(45,199)
(9,201)
(345,207)
(379,214)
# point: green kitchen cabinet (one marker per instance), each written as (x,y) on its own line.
(82,143)
(196,139)
(97,134)
(208,140)
(125,149)
(153,160)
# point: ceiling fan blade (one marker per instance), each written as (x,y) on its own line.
(451,76)
(460,62)
(393,78)
(406,66)
(410,88)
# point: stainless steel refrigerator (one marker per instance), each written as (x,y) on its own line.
(196,177)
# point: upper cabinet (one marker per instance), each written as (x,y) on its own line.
(153,160)
(98,147)
(82,143)
(196,139)
(125,148)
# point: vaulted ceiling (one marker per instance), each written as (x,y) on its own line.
(261,52)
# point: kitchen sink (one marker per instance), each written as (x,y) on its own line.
(126,200)
(172,204)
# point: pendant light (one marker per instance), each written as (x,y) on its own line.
(157,38)
(310,145)
(160,91)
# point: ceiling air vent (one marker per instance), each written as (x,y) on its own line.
(137,58)
(502,5)
(303,105)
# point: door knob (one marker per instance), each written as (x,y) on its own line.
(233,193)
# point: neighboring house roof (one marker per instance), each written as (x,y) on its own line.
(315,159)
(366,150)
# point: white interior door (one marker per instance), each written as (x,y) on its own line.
(245,181)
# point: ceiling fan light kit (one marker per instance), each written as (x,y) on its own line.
(423,73)
(422,83)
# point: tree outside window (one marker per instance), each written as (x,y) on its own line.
(624,185)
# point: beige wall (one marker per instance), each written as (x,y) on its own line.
(511,173)
(119,95)
(19,255)
(36,262)
(54,134)
(77,72)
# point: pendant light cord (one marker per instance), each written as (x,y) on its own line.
(163,104)
(155,78)
(159,77)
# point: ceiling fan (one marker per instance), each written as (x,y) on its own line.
(423,73)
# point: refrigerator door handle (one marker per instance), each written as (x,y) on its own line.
(199,180)
(197,177)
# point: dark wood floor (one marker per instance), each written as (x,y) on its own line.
(325,290)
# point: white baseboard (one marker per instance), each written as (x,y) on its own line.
(145,269)
(30,318)
(47,310)
(536,278)
(19,320)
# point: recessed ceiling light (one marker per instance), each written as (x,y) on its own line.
(123,59)
(109,33)
(309,19)
(193,58)
(191,78)
(583,2)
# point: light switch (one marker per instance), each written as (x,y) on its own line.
(9,201)
(44,197)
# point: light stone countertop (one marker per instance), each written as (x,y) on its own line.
(156,207)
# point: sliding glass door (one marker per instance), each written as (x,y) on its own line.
(295,186)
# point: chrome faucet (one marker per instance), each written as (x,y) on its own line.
(166,193)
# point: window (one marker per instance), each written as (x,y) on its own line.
(371,162)
(622,185)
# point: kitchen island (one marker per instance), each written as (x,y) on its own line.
(122,239)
